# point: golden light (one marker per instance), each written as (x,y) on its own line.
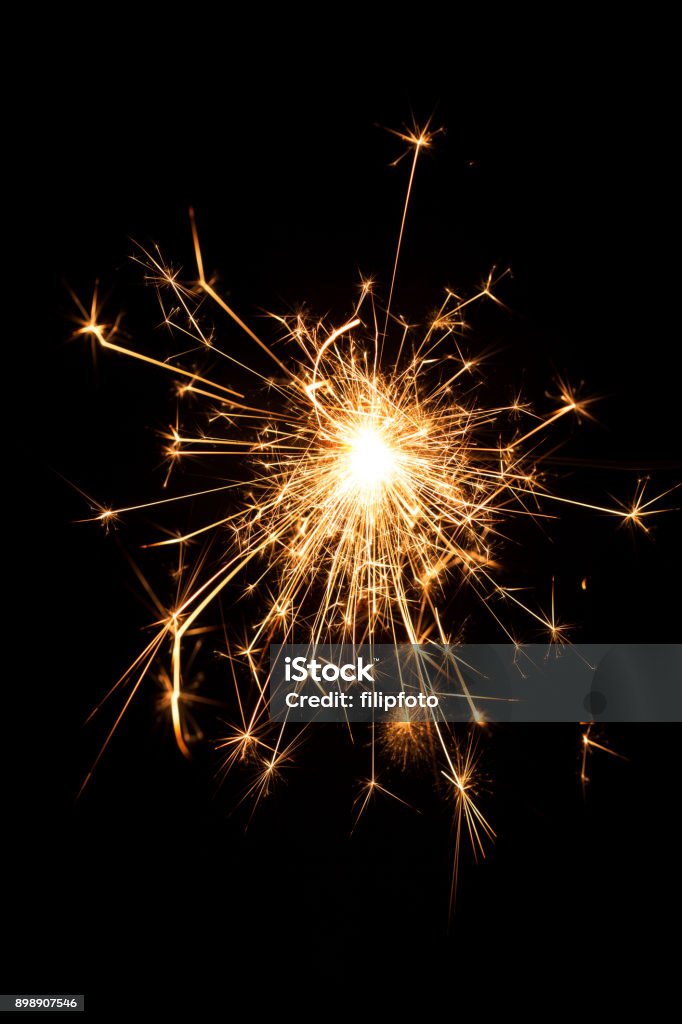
(369,464)
(376,473)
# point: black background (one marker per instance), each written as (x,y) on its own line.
(567,179)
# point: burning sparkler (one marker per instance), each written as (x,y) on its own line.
(377,479)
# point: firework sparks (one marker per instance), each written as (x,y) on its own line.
(589,745)
(464,777)
(377,480)
(407,744)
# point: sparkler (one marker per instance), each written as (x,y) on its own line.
(377,481)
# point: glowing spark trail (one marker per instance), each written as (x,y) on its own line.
(589,744)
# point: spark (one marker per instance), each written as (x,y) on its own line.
(465,779)
(589,744)
(369,789)
(407,743)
